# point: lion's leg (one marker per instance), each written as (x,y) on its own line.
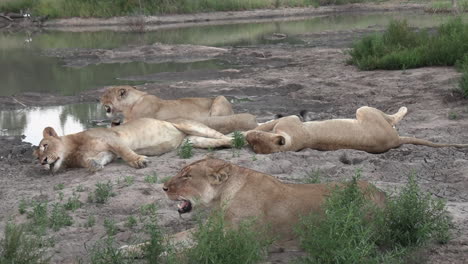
(98,162)
(221,107)
(365,112)
(203,142)
(230,123)
(195,128)
(127,154)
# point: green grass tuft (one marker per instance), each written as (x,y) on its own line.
(217,244)
(186,149)
(103,192)
(151,179)
(111,228)
(238,140)
(18,247)
(352,230)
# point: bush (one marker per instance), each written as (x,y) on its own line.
(215,243)
(352,230)
(103,192)
(413,218)
(17,247)
(186,149)
(399,47)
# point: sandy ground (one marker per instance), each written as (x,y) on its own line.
(270,80)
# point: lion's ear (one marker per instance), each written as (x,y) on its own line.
(219,171)
(279,140)
(123,93)
(49,132)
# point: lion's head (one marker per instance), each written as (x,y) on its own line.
(51,150)
(117,98)
(197,182)
(265,142)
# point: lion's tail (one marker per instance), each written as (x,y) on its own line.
(417,141)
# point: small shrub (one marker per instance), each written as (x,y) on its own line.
(80,188)
(91,221)
(59,187)
(238,140)
(312,177)
(413,217)
(59,217)
(165,179)
(111,228)
(39,217)
(23,205)
(106,251)
(131,222)
(20,248)
(155,246)
(73,202)
(148,209)
(215,243)
(186,149)
(103,192)
(342,234)
(129,180)
(151,179)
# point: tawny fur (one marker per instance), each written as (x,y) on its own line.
(372,131)
(96,147)
(214,112)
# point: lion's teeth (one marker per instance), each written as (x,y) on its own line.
(179,206)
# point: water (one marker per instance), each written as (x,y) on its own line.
(24,68)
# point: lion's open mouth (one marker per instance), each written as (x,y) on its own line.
(51,165)
(184,207)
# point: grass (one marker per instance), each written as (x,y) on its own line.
(313,176)
(352,230)
(131,222)
(97,8)
(446,6)
(215,243)
(186,149)
(400,48)
(59,187)
(73,202)
(238,140)
(103,192)
(151,179)
(59,217)
(18,247)
(111,228)
(129,180)
(106,251)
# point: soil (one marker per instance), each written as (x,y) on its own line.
(266,80)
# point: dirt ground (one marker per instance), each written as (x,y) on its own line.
(267,80)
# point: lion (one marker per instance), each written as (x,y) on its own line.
(372,131)
(245,194)
(215,113)
(96,147)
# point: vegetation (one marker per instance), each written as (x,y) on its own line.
(446,6)
(103,192)
(111,228)
(18,247)
(151,179)
(99,8)
(352,230)
(238,140)
(217,244)
(313,176)
(399,48)
(186,149)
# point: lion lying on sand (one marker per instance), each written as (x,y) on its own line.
(97,147)
(215,113)
(371,131)
(245,194)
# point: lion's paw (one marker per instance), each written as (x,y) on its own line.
(94,166)
(140,162)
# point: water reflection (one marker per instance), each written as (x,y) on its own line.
(64,119)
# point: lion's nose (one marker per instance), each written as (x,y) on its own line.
(165,189)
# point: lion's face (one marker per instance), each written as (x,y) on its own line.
(115,99)
(265,142)
(197,182)
(51,150)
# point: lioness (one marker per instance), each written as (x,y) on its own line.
(244,193)
(215,112)
(96,147)
(371,131)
